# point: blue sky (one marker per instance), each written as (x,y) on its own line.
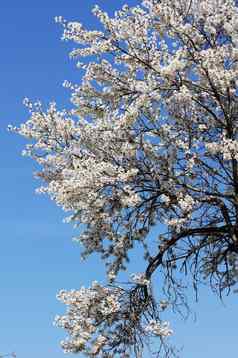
(37,256)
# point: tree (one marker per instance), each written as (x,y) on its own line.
(151,140)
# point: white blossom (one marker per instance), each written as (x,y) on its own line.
(140,279)
(159,329)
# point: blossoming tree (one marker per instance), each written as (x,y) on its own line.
(151,141)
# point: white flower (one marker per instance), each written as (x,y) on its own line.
(140,279)
(159,328)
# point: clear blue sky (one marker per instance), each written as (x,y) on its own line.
(37,256)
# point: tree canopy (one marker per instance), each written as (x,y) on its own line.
(150,143)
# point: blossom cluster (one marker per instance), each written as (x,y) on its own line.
(159,329)
(140,279)
(94,321)
(226,147)
(88,310)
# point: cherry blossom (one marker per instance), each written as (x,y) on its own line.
(151,140)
